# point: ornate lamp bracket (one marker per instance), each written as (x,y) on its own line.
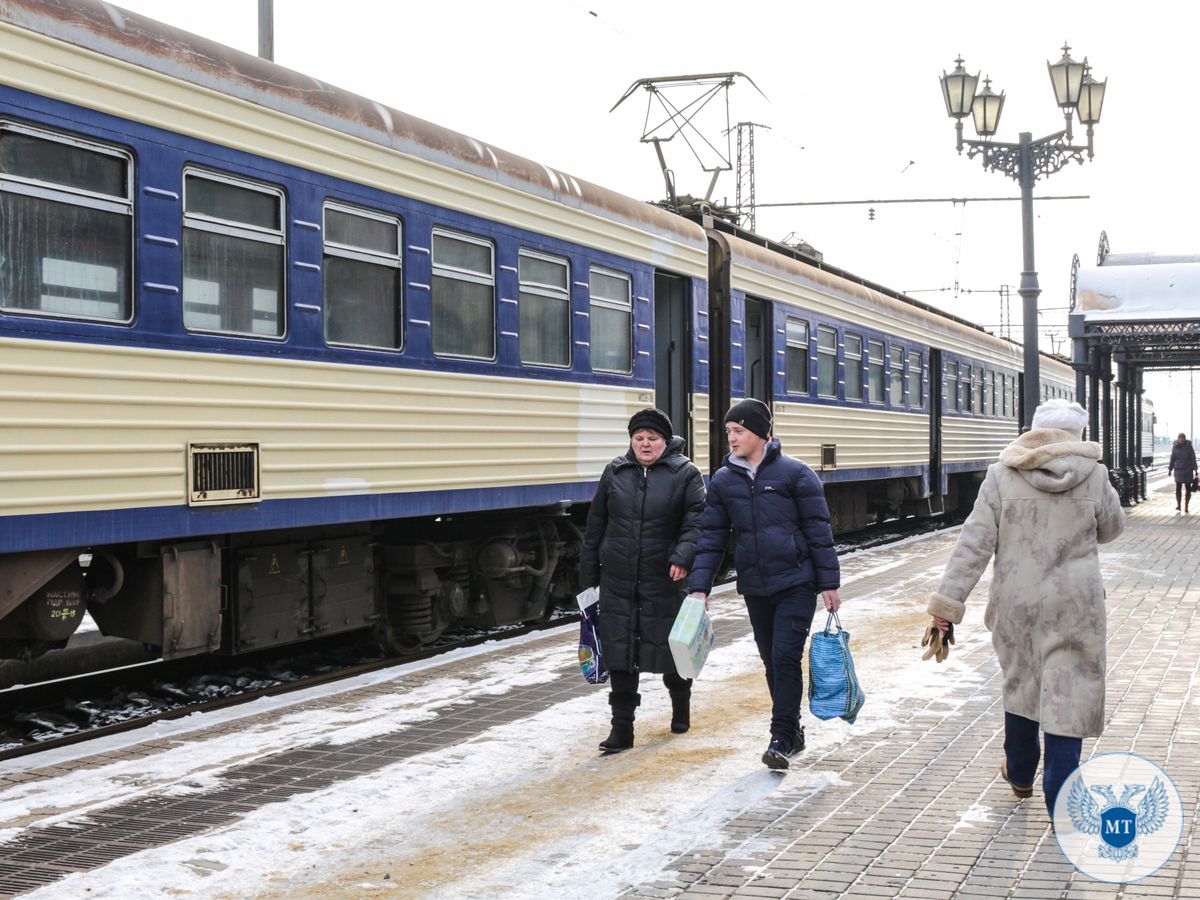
(1047,155)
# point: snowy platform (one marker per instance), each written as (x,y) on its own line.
(476,775)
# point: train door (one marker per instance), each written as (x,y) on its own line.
(672,361)
(935,429)
(758,369)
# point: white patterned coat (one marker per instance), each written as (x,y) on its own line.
(1041,510)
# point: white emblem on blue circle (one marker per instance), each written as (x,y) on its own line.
(1118,817)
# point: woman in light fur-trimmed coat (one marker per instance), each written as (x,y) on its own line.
(1042,510)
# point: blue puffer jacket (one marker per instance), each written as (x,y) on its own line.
(782,525)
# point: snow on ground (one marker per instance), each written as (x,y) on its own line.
(524,810)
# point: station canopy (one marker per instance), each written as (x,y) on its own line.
(1139,287)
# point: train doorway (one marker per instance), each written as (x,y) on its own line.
(758,369)
(672,361)
(935,429)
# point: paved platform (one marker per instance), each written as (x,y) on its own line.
(918,810)
(477,776)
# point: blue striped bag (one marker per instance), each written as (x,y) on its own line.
(833,688)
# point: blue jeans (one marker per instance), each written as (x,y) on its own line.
(781,623)
(1021,751)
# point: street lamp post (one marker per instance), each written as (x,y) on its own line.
(1076,92)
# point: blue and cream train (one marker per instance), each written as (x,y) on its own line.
(278,362)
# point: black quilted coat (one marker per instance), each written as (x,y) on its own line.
(642,521)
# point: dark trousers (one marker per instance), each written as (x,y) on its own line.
(1179,487)
(781,623)
(627,682)
(1021,751)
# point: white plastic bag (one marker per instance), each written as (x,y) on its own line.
(691,637)
(588,597)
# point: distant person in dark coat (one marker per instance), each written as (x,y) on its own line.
(1183,466)
(639,546)
(784,556)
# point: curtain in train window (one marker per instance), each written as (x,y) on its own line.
(464,296)
(797,356)
(67,237)
(362,270)
(610,311)
(233,253)
(896,376)
(545,310)
(826,361)
(875,371)
(854,375)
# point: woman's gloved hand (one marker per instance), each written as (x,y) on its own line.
(938,642)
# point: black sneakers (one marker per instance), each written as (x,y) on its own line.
(781,750)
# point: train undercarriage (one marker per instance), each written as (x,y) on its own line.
(407,581)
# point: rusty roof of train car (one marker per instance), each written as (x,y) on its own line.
(142,41)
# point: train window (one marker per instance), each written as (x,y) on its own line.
(1006,408)
(896,376)
(233,252)
(362,267)
(912,380)
(545,310)
(986,380)
(854,383)
(967,378)
(66,248)
(980,378)
(951,391)
(610,311)
(995,396)
(826,361)
(875,371)
(797,356)
(464,290)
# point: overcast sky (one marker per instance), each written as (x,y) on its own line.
(852,101)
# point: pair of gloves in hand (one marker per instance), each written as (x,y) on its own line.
(938,643)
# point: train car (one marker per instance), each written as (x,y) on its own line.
(899,407)
(1149,420)
(281,362)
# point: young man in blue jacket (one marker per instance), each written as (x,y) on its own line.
(784,556)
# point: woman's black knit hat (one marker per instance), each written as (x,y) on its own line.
(654,419)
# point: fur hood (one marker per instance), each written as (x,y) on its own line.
(1051,460)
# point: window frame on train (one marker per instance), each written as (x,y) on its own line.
(446,275)
(796,357)
(336,252)
(857,367)
(914,382)
(196,222)
(49,194)
(599,303)
(538,294)
(966,378)
(827,368)
(876,372)
(950,393)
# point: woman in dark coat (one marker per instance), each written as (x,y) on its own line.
(1183,465)
(639,546)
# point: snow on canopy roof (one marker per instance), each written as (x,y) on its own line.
(1139,292)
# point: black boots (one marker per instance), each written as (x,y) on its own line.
(681,708)
(624,707)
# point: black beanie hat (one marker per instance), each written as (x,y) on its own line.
(654,419)
(752,414)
